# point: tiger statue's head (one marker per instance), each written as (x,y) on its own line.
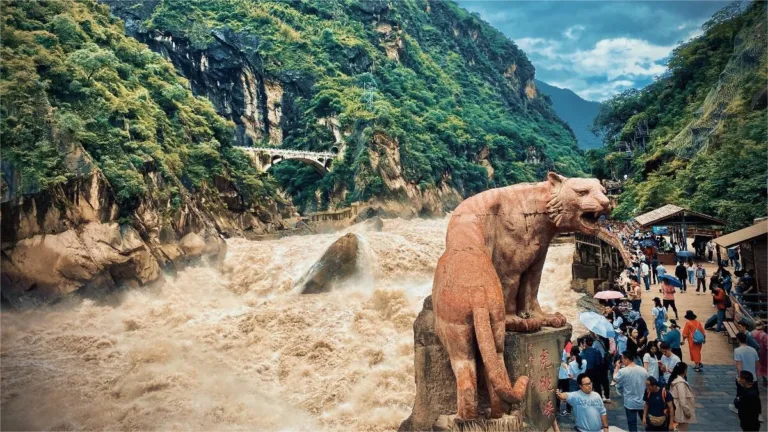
(576,204)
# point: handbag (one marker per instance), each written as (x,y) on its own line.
(698,337)
(657,420)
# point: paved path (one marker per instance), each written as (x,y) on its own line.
(714,389)
(717,350)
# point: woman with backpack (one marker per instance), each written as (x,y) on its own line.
(685,402)
(659,317)
(696,335)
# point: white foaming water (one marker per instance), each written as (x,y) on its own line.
(240,350)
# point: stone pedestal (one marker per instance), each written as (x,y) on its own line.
(536,355)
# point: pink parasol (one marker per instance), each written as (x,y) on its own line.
(609,295)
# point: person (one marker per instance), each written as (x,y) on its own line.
(746,360)
(694,349)
(651,361)
(701,279)
(588,408)
(635,345)
(659,409)
(673,338)
(630,381)
(563,380)
(710,250)
(576,367)
(659,317)
(654,269)
(668,293)
(635,294)
(685,402)
(681,274)
(743,327)
(718,297)
(594,364)
(762,341)
(668,362)
(645,271)
(727,282)
(748,402)
(690,270)
(736,257)
(639,323)
(660,271)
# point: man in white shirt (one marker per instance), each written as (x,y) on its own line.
(646,272)
(746,360)
(630,381)
(668,361)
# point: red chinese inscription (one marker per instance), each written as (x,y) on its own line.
(548,408)
(544,360)
(545,383)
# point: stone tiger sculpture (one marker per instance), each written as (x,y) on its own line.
(487,280)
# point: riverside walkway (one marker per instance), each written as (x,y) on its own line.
(714,387)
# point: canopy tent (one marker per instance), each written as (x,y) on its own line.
(679,218)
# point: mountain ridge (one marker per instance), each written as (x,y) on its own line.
(578,112)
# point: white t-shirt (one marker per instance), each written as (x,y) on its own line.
(575,370)
(645,269)
(748,357)
(653,365)
(669,363)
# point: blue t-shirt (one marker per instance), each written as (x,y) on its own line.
(631,382)
(593,357)
(673,338)
(587,409)
(656,404)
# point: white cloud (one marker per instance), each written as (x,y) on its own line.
(574,32)
(614,58)
(682,26)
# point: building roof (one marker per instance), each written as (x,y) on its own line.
(734,238)
(671,214)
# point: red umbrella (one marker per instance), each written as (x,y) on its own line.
(609,295)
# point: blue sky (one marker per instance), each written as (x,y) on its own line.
(597,48)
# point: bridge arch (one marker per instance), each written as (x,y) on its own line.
(266,157)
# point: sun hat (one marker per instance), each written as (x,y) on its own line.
(689,315)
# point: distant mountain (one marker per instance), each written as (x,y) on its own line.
(577,112)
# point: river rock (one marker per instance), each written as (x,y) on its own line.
(533,354)
(337,264)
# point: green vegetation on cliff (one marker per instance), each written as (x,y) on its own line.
(697,136)
(70,76)
(440,83)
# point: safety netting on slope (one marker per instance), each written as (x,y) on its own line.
(749,54)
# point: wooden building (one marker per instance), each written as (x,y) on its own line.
(678,219)
(599,258)
(753,253)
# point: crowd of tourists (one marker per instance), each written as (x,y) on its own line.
(644,363)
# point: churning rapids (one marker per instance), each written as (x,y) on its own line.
(240,349)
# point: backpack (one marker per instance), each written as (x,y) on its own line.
(728,302)
(700,273)
(698,337)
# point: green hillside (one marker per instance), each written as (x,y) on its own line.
(577,112)
(696,137)
(70,76)
(451,93)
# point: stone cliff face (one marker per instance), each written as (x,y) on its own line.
(72,237)
(228,72)
(315,103)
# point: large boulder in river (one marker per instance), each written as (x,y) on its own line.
(336,265)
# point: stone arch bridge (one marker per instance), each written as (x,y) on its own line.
(265,157)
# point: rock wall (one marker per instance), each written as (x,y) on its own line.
(73,237)
(535,355)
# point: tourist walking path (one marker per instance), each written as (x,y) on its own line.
(714,387)
(717,350)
